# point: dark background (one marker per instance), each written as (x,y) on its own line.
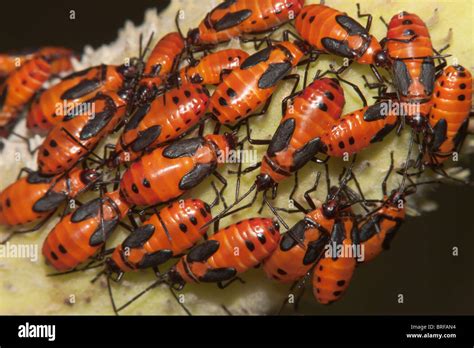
(420,264)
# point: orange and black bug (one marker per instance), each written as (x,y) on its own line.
(378,228)
(168,233)
(17,90)
(61,59)
(357,130)
(215,260)
(79,235)
(210,69)
(251,85)
(22,84)
(297,139)
(163,60)
(332,274)
(36,197)
(166,118)
(411,55)
(169,171)
(449,116)
(303,244)
(331,31)
(10,61)
(76,136)
(234,18)
(52,105)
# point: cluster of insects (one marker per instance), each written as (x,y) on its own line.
(160,107)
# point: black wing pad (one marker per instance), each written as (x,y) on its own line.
(81,89)
(293,236)
(375,112)
(337,47)
(146,138)
(439,134)
(218,275)
(282,137)
(103,231)
(254,59)
(351,26)
(137,117)
(427,76)
(390,235)
(183,148)
(461,135)
(381,134)
(3,96)
(315,250)
(87,211)
(49,202)
(370,228)
(196,175)
(139,236)
(338,233)
(401,77)
(274,74)
(37,178)
(100,120)
(231,19)
(306,153)
(155,259)
(202,252)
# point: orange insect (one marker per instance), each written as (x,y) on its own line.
(79,235)
(304,244)
(333,274)
(252,84)
(52,105)
(332,31)
(163,60)
(377,229)
(169,171)
(10,61)
(76,136)
(36,197)
(167,233)
(22,84)
(61,59)
(215,260)
(411,53)
(449,116)
(19,88)
(357,130)
(166,118)
(210,69)
(297,139)
(233,18)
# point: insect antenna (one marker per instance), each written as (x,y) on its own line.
(141,293)
(228,211)
(179,302)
